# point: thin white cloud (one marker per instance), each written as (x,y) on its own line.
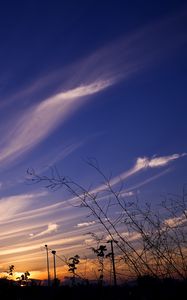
(33,224)
(85,224)
(148,180)
(163,160)
(12,205)
(62,152)
(144,163)
(129,236)
(176,221)
(141,164)
(36,245)
(40,120)
(25,214)
(53,227)
(126,193)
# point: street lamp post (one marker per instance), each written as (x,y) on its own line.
(47,253)
(113,261)
(54,262)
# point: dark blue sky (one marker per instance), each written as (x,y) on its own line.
(80,79)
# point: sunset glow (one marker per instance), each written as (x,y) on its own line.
(100,81)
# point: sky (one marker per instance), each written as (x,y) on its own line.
(79,80)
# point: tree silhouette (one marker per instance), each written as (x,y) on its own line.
(24,278)
(72,264)
(100,252)
(149,242)
(11,270)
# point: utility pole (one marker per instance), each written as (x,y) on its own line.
(113,261)
(47,253)
(54,262)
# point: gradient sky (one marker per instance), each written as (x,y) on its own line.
(78,80)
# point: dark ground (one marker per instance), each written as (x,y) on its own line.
(143,290)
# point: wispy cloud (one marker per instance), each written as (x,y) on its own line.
(118,60)
(131,236)
(146,181)
(36,245)
(12,205)
(127,235)
(141,164)
(51,228)
(15,208)
(40,120)
(126,193)
(85,224)
(176,221)
(145,163)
